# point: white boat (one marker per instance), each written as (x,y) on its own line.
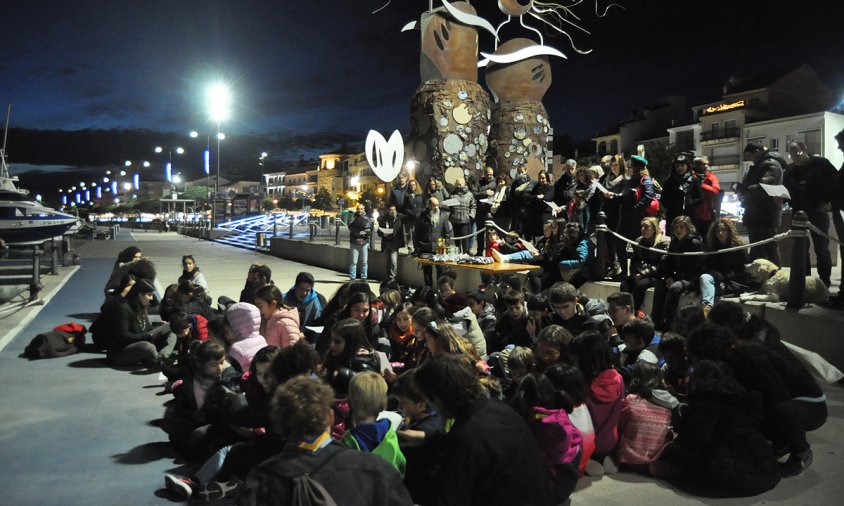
(24,220)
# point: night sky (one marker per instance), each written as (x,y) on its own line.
(313,73)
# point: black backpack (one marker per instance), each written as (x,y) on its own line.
(52,344)
(306,491)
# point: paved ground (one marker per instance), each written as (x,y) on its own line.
(73,431)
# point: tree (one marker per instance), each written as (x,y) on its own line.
(197,192)
(267,204)
(322,200)
(371,199)
(660,160)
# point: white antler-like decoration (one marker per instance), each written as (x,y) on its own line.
(385,157)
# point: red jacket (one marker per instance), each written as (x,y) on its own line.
(710,190)
(604,401)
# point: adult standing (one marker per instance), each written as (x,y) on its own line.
(389,230)
(500,208)
(462,213)
(360,228)
(762,213)
(636,197)
(518,188)
(810,180)
(435,189)
(432,225)
(484,191)
(566,184)
(399,193)
(705,206)
(489,456)
(414,204)
(613,181)
(838,210)
(678,188)
(537,211)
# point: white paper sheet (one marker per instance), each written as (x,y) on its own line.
(554,207)
(384,361)
(776,190)
(386,231)
(318,330)
(450,202)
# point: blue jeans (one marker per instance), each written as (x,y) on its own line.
(519,255)
(707,289)
(360,253)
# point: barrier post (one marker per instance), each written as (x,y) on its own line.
(54,257)
(601,234)
(336,231)
(797,277)
(35,286)
(290,232)
(311,227)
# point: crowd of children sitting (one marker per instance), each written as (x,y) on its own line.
(506,396)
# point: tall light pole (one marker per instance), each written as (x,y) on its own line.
(168,169)
(219,101)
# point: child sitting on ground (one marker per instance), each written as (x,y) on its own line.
(645,421)
(641,344)
(193,420)
(569,381)
(513,325)
(243,324)
(675,370)
(551,346)
(367,400)
(421,424)
(279,322)
(546,412)
(400,333)
(349,350)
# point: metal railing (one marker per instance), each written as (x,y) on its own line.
(721,133)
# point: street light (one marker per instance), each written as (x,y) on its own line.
(168,169)
(219,103)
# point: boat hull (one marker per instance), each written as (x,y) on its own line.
(33,231)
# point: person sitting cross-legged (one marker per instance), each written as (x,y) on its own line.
(302,412)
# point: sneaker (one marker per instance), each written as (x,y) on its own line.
(796,463)
(594,469)
(216,490)
(181,486)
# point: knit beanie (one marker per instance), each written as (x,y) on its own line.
(244,319)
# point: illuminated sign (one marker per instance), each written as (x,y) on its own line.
(738,104)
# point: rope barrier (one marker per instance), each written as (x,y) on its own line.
(820,232)
(778,237)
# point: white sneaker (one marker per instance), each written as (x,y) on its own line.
(609,465)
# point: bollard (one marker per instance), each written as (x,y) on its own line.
(66,251)
(311,227)
(54,258)
(797,277)
(275,225)
(35,286)
(336,231)
(600,267)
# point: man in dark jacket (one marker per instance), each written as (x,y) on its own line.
(432,225)
(392,238)
(762,213)
(838,210)
(398,191)
(810,181)
(304,415)
(565,185)
(484,191)
(490,455)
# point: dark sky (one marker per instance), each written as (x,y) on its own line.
(320,68)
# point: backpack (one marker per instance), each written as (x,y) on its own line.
(306,491)
(51,345)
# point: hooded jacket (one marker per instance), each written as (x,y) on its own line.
(606,393)
(282,328)
(245,321)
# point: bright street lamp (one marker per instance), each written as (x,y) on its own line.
(219,103)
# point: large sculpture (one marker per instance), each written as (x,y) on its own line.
(450,111)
